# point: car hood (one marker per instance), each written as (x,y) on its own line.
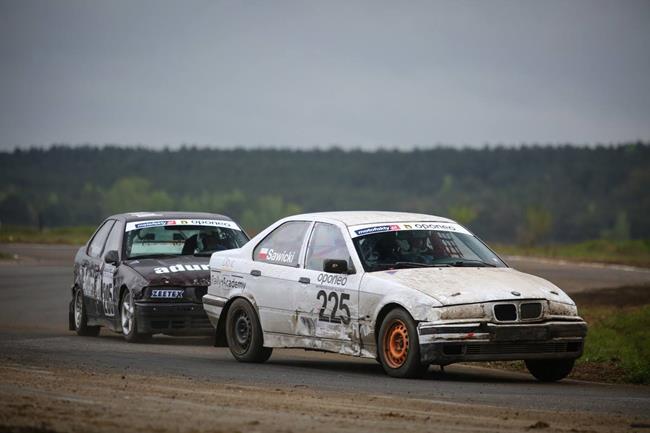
(177,271)
(473,285)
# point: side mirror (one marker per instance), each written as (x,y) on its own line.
(112,258)
(334,266)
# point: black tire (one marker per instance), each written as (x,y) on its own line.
(550,370)
(128,320)
(80,320)
(244,333)
(399,346)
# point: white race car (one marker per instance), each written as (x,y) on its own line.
(407,289)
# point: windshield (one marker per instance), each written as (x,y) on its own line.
(180,237)
(422,248)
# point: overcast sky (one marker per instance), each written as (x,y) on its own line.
(304,74)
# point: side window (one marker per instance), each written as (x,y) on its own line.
(113,241)
(282,245)
(97,244)
(326,242)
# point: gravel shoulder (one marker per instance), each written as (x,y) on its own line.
(62,400)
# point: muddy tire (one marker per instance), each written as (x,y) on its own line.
(128,320)
(80,320)
(399,346)
(244,333)
(550,370)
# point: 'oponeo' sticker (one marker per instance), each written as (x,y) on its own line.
(135,225)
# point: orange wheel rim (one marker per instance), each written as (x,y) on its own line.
(396,344)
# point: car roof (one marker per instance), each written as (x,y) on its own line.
(162,215)
(353,218)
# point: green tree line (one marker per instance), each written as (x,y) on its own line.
(527,194)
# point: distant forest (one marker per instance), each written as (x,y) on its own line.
(529,195)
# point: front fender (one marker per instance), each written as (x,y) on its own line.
(378,297)
(382,293)
(420,307)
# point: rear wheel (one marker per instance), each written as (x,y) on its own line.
(244,333)
(129,321)
(550,370)
(399,346)
(80,318)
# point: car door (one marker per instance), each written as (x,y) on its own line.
(108,297)
(92,268)
(328,303)
(273,280)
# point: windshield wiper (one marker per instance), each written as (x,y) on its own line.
(402,265)
(461,263)
(421,265)
(204,254)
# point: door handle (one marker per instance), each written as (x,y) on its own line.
(304,280)
(256,273)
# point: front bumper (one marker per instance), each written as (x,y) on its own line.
(449,343)
(178,318)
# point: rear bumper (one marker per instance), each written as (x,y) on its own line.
(214,307)
(449,343)
(186,318)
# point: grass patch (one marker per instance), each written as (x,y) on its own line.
(6,256)
(633,252)
(618,339)
(60,235)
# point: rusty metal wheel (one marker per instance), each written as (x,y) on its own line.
(399,346)
(396,344)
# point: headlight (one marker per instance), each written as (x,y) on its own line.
(460,312)
(560,309)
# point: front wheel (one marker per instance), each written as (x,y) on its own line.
(244,333)
(550,370)
(80,318)
(399,346)
(129,321)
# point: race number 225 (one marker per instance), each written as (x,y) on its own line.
(338,303)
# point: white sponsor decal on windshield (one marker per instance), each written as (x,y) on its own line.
(135,225)
(368,229)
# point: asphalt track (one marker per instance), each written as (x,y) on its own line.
(34,297)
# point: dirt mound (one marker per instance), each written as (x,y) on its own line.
(626,296)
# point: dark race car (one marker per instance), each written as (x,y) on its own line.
(146,273)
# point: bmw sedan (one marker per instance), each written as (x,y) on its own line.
(145,273)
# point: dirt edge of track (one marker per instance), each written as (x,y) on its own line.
(38,399)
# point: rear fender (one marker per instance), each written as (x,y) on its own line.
(220,333)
